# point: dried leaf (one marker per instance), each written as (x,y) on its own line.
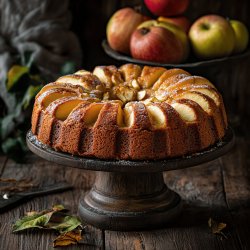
(69,238)
(31,213)
(58,207)
(32,221)
(217,227)
(48,219)
(8,180)
(66,224)
(36,219)
(13,185)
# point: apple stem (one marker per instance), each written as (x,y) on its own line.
(144,31)
(205,26)
(138,9)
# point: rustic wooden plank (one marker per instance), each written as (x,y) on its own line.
(236,177)
(45,173)
(201,188)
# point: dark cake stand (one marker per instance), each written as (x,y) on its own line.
(130,195)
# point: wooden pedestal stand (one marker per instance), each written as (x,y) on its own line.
(129,195)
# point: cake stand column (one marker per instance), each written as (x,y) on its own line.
(132,195)
(129,201)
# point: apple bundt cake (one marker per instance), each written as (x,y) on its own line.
(130,112)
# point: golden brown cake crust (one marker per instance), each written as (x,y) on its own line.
(130,112)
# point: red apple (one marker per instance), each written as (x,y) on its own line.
(167,7)
(212,36)
(180,21)
(120,28)
(179,33)
(156,44)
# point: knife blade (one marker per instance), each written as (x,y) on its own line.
(16,198)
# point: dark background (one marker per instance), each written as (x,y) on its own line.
(90,17)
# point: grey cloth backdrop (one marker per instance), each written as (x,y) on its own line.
(39,26)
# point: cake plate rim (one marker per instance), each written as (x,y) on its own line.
(144,166)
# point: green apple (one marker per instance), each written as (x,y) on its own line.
(212,36)
(241,36)
(180,34)
(177,31)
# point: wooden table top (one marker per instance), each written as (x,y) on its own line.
(219,189)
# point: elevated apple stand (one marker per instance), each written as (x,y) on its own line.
(130,195)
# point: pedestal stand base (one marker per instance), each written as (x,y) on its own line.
(130,195)
(125,201)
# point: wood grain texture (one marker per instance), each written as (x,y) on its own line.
(202,189)
(236,177)
(45,173)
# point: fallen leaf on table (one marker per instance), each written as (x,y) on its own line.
(57,208)
(69,238)
(8,180)
(36,219)
(217,227)
(69,226)
(64,223)
(15,186)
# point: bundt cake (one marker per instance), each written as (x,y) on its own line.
(130,112)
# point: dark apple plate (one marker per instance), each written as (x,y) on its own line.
(191,63)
